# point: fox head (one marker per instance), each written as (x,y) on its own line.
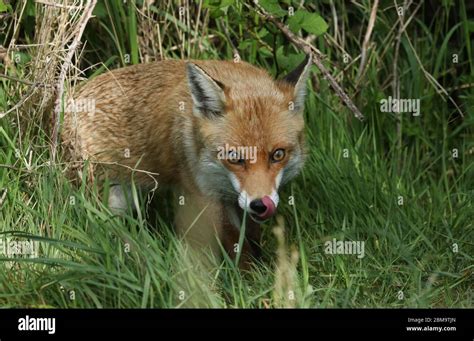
(249,132)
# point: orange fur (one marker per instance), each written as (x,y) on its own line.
(148,110)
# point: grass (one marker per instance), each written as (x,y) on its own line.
(409,199)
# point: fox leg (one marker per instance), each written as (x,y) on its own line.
(199,222)
(203,222)
(120,197)
(250,249)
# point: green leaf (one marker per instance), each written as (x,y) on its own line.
(6,7)
(21,58)
(314,24)
(3,7)
(272,7)
(226,3)
(217,4)
(132,31)
(217,13)
(310,22)
(448,3)
(211,4)
(244,44)
(288,61)
(3,100)
(30,9)
(265,51)
(295,22)
(99,10)
(470,26)
(262,33)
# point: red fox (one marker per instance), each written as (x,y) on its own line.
(224,134)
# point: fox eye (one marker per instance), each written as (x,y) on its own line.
(233,157)
(278,155)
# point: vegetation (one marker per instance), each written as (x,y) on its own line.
(402,183)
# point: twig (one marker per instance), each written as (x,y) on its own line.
(89,7)
(402,30)
(9,167)
(365,44)
(235,51)
(459,87)
(12,43)
(197,22)
(191,41)
(395,80)
(19,103)
(133,169)
(438,87)
(38,84)
(309,49)
(4,195)
(53,4)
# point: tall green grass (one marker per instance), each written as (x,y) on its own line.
(417,254)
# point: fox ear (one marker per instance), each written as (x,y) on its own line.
(298,78)
(207,93)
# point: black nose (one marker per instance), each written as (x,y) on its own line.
(258,206)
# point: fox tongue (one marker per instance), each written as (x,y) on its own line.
(270,205)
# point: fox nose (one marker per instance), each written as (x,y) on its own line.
(264,207)
(258,206)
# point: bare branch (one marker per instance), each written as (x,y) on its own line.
(309,49)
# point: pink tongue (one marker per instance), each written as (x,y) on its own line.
(270,205)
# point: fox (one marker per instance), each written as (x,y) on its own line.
(225,135)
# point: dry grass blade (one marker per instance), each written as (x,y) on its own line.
(365,44)
(79,29)
(286,273)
